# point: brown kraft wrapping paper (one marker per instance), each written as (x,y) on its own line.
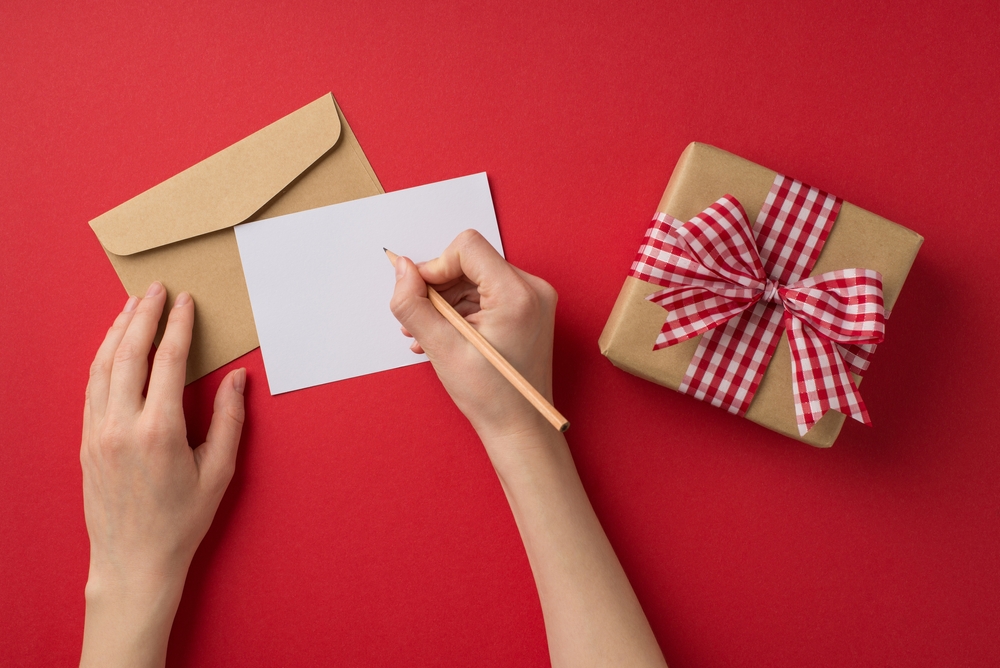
(858,239)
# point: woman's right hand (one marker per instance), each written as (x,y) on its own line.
(513,310)
(592,616)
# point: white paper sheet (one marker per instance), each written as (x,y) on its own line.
(320,284)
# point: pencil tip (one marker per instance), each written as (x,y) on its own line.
(384,249)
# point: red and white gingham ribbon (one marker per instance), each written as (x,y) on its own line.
(737,287)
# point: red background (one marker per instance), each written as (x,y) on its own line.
(364,524)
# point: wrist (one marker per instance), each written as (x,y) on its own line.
(135,578)
(515,421)
(133,592)
(136,596)
(515,453)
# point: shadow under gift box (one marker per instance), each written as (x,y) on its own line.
(180,232)
(858,239)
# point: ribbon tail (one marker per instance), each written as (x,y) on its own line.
(857,356)
(821,378)
(728,380)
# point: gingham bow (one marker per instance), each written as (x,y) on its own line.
(736,286)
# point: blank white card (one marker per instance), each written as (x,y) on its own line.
(320,283)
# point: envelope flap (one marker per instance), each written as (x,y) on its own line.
(226,188)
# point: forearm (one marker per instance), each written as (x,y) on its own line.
(128,625)
(592,616)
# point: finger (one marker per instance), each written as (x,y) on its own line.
(406,332)
(471,255)
(466,308)
(415,347)
(463,296)
(463,290)
(100,370)
(216,457)
(166,380)
(414,310)
(442,287)
(131,359)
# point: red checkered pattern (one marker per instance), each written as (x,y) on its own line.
(737,287)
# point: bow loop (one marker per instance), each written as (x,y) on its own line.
(710,267)
(844,306)
(719,241)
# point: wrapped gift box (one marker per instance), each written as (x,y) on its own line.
(857,239)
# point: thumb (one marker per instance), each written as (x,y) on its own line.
(414,310)
(217,455)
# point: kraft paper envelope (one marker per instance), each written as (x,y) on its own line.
(180,232)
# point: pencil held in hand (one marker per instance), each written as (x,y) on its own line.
(473,336)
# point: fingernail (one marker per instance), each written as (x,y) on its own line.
(131,303)
(240,380)
(182,299)
(154,289)
(400,267)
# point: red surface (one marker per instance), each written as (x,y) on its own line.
(364,524)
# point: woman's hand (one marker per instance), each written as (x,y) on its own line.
(592,616)
(513,310)
(148,497)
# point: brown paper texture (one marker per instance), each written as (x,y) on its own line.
(180,231)
(858,239)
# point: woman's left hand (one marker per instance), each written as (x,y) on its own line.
(148,496)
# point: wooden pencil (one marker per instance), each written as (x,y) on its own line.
(473,336)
